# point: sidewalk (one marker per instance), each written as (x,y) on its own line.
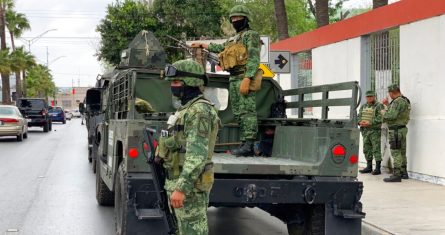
(410,207)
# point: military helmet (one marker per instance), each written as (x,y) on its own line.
(240,10)
(393,87)
(370,93)
(188,71)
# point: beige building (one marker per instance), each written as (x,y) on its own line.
(68,100)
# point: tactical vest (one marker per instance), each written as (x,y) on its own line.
(368,113)
(403,117)
(234,53)
(172,149)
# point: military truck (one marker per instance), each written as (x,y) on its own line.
(93,110)
(309,181)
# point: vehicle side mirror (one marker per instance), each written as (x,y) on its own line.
(82,108)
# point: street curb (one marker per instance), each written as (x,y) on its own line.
(370,229)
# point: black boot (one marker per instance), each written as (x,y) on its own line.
(393,178)
(368,168)
(246,149)
(405,176)
(377,171)
(405,173)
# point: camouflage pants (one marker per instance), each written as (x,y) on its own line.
(192,218)
(372,144)
(397,140)
(244,110)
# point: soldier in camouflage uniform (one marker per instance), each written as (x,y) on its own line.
(370,122)
(397,118)
(240,55)
(187,148)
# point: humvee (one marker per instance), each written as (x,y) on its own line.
(309,181)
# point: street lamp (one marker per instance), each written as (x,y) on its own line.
(34,39)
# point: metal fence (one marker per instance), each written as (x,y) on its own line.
(382,62)
(304,75)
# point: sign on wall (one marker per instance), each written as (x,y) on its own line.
(264,53)
(280,61)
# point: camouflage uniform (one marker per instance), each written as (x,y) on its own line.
(243,107)
(397,118)
(187,157)
(371,134)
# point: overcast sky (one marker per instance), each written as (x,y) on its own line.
(72,45)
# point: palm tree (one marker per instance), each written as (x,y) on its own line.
(16,24)
(5,70)
(379,3)
(281,16)
(4,5)
(18,63)
(30,62)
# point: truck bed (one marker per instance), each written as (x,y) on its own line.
(226,163)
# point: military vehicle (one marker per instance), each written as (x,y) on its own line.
(309,181)
(93,110)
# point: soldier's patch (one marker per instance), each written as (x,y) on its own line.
(203,126)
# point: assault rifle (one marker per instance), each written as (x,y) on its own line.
(211,57)
(159,176)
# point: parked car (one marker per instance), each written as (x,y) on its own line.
(12,122)
(77,114)
(57,114)
(35,111)
(68,114)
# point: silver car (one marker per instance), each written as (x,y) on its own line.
(12,123)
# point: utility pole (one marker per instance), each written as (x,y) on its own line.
(47,59)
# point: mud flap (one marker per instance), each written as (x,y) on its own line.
(335,225)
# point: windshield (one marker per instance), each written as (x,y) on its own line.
(34,104)
(55,110)
(7,111)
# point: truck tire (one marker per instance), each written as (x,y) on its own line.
(90,153)
(315,223)
(103,195)
(50,125)
(121,201)
(94,163)
(46,127)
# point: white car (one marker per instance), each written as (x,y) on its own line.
(76,113)
(68,114)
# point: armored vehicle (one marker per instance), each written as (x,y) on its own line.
(307,178)
(92,110)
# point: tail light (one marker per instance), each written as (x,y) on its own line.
(353,159)
(9,120)
(133,153)
(338,153)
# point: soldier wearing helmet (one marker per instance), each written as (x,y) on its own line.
(186,148)
(370,122)
(240,55)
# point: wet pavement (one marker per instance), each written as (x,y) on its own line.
(48,187)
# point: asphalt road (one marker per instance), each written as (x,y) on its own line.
(47,187)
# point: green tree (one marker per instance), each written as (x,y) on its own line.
(264,19)
(4,6)
(17,23)
(30,62)
(326,12)
(121,24)
(5,62)
(379,3)
(18,63)
(40,82)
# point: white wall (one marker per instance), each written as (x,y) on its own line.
(338,62)
(422,80)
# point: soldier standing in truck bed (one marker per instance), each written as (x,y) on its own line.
(187,149)
(240,55)
(370,122)
(397,118)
